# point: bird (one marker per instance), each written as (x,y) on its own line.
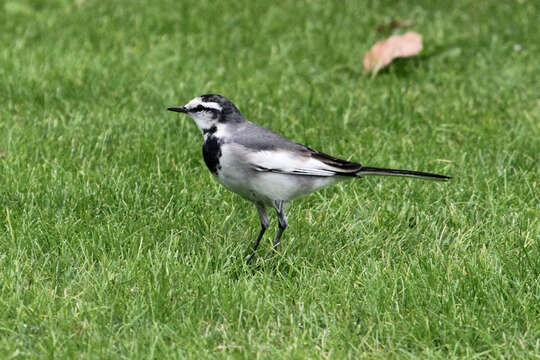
(266,168)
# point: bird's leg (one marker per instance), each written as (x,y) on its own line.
(282,220)
(264,225)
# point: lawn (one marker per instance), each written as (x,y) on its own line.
(116,242)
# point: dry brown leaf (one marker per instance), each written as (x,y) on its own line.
(383,52)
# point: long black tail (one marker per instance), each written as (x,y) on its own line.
(366,170)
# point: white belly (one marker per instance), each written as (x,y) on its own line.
(238,176)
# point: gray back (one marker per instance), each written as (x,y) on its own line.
(258,138)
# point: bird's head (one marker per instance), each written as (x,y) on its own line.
(209,111)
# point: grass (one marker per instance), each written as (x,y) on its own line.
(115,242)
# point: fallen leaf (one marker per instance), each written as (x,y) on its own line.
(383,52)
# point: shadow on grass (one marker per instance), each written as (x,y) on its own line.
(265,262)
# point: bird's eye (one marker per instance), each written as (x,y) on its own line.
(199,108)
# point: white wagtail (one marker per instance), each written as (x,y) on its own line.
(264,167)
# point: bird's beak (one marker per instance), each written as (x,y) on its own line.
(180,109)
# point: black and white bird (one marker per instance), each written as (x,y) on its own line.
(264,167)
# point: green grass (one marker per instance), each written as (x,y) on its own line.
(115,241)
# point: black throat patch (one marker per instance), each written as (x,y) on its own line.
(212,151)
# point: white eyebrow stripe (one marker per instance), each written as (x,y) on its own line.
(197,101)
(212,105)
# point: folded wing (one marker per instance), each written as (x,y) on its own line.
(305,162)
